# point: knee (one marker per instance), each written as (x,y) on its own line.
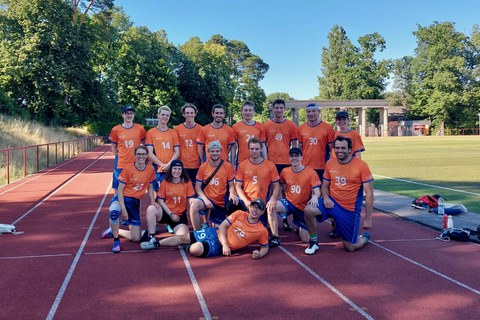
(196,249)
(153,212)
(114,212)
(349,247)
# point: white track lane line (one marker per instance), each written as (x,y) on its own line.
(328,285)
(68,277)
(54,192)
(37,256)
(198,292)
(418,264)
(44,173)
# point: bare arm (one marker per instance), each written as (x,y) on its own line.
(153,157)
(176,155)
(258,254)
(121,200)
(326,194)
(241,194)
(232,193)
(114,149)
(368,187)
(200,149)
(222,236)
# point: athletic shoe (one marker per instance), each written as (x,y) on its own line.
(116,247)
(312,248)
(286,226)
(150,245)
(107,233)
(169,229)
(274,242)
(366,235)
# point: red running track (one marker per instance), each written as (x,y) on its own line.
(59,268)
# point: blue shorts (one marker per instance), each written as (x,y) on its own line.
(159,177)
(347,222)
(133,210)
(217,214)
(116,173)
(210,236)
(291,209)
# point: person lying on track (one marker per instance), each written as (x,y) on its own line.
(239,230)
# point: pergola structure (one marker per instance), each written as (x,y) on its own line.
(360,107)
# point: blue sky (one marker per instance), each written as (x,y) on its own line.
(289,34)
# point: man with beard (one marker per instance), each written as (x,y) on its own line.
(345,179)
(254,178)
(216,131)
(215,177)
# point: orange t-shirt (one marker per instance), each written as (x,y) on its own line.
(315,143)
(242,233)
(218,186)
(176,195)
(357,143)
(136,181)
(346,182)
(163,143)
(299,185)
(256,178)
(188,146)
(279,136)
(243,133)
(126,139)
(224,134)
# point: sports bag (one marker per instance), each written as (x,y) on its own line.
(425,202)
(457,234)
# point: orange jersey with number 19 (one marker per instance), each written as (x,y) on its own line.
(126,139)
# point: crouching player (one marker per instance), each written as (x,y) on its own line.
(126,203)
(239,230)
(344,181)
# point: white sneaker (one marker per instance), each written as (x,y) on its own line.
(150,245)
(312,248)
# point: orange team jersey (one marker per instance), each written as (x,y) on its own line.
(224,134)
(163,143)
(346,182)
(242,233)
(243,133)
(126,139)
(136,181)
(299,185)
(188,146)
(256,178)
(218,186)
(315,143)
(279,136)
(176,195)
(357,143)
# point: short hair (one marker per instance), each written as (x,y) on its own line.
(278,101)
(254,140)
(164,108)
(141,147)
(188,105)
(218,106)
(248,103)
(342,138)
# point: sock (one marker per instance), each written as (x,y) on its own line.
(313,238)
(116,239)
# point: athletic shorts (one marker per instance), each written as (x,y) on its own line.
(217,214)
(347,222)
(207,236)
(116,173)
(172,224)
(159,177)
(291,209)
(133,210)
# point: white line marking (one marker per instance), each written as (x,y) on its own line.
(54,192)
(328,285)
(427,268)
(427,185)
(48,171)
(198,292)
(39,256)
(68,277)
(404,240)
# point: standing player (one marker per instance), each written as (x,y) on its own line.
(125,138)
(163,144)
(281,135)
(301,185)
(134,179)
(247,129)
(213,187)
(216,131)
(315,139)
(343,124)
(254,178)
(187,134)
(345,179)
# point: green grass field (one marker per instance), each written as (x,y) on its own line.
(451,162)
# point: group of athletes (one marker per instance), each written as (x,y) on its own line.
(235,182)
